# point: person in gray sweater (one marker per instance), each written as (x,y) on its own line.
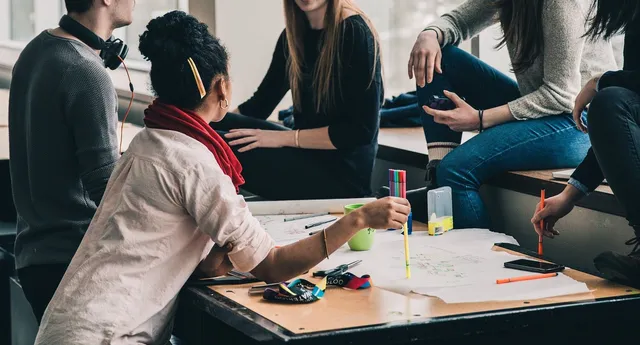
(63,142)
(523,124)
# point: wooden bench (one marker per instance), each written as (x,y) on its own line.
(407,146)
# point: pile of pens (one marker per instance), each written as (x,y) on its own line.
(398,188)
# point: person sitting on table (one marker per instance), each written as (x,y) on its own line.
(328,56)
(63,112)
(524,124)
(614,129)
(171,207)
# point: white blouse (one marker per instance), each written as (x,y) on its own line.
(166,204)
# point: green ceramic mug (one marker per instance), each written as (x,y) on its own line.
(363,239)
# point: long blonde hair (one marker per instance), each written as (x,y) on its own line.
(328,69)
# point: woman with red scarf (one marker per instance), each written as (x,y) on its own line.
(171,207)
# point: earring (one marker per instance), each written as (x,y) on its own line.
(226,104)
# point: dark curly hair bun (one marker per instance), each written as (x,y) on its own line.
(168,42)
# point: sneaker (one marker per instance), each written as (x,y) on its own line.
(621,268)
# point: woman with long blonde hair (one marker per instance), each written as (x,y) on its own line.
(328,56)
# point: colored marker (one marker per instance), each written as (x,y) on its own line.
(319,223)
(542,197)
(525,278)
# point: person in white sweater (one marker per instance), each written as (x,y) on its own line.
(524,124)
(171,204)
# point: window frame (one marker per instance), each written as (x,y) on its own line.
(139,70)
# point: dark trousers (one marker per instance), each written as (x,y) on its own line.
(287,173)
(614,118)
(39,283)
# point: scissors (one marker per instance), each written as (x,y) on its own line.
(338,270)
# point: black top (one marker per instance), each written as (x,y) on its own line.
(354,123)
(589,172)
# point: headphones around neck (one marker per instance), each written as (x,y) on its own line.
(112,51)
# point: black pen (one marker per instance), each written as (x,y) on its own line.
(319,223)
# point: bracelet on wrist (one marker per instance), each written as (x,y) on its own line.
(434,30)
(481,117)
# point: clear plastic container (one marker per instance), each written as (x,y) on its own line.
(439,201)
(440,211)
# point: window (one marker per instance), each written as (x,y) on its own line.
(24,19)
(398,23)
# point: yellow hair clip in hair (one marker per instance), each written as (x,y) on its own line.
(196,75)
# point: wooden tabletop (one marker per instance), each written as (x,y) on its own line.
(343,309)
(547,176)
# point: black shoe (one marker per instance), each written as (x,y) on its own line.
(624,269)
(430,177)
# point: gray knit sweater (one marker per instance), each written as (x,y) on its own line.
(568,61)
(63,142)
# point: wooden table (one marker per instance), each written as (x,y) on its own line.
(228,314)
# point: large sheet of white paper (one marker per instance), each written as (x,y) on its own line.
(457,267)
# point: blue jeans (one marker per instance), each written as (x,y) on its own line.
(552,142)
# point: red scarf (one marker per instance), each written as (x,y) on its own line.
(164,116)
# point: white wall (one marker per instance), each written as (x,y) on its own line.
(5,11)
(249,29)
(46,15)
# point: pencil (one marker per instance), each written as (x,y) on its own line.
(305,216)
(319,223)
(402,179)
(542,197)
(525,278)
